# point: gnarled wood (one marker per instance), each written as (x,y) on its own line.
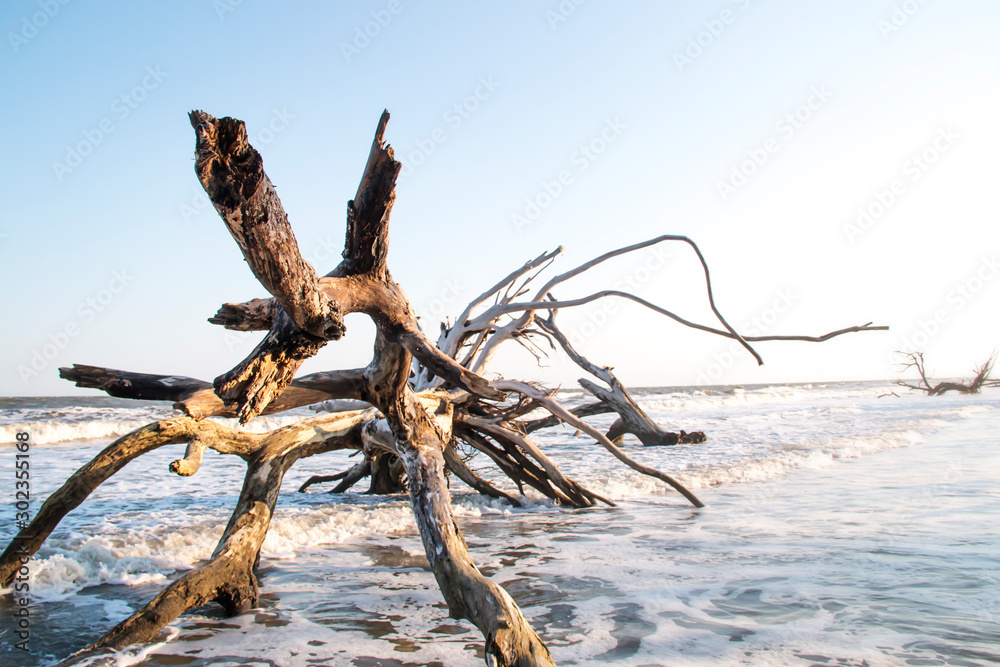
(227,577)
(82,483)
(419,401)
(232,173)
(632,418)
(367,242)
(197,398)
(254,315)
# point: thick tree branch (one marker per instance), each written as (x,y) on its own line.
(141,386)
(367,241)
(232,173)
(197,399)
(233,176)
(228,577)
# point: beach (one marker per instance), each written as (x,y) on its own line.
(842,526)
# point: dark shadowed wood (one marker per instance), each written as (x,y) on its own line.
(233,176)
(254,315)
(125,384)
(454,462)
(250,387)
(232,173)
(349,477)
(367,242)
(197,398)
(513,463)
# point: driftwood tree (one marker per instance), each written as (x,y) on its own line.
(980,377)
(410,410)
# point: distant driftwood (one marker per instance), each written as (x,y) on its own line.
(417,411)
(980,378)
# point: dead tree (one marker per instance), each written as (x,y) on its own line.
(980,378)
(409,410)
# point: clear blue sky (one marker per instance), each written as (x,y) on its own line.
(758,128)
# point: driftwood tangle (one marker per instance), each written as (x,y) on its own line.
(980,377)
(416,411)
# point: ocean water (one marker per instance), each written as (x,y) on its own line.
(843,527)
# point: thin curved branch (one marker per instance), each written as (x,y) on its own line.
(514,463)
(586,410)
(569,303)
(558,410)
(645,244)
(544,258)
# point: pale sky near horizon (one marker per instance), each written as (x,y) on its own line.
(837,163)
